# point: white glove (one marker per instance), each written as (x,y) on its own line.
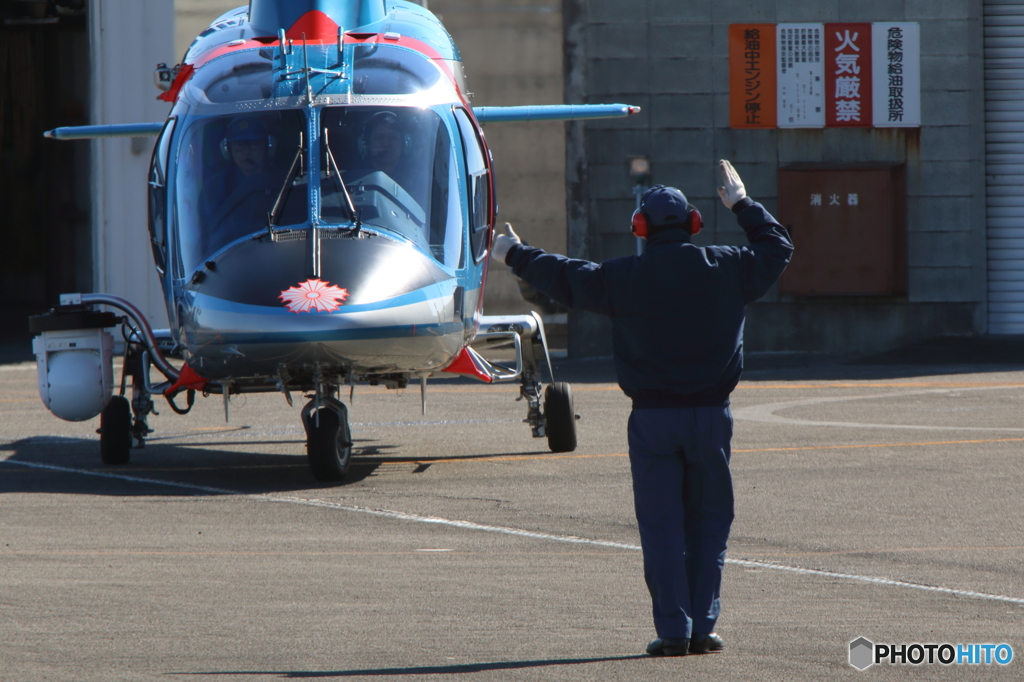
(732,189)
(503,244)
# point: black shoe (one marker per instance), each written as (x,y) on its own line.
(703,645)
(669,646)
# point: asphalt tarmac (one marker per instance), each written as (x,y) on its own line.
(876,501)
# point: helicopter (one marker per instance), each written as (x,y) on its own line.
(321,210)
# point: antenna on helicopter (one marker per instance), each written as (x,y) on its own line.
(305,70)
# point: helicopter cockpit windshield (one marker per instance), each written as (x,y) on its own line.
(399,168)
(244,157)
(231,170)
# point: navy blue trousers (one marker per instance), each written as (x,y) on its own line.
(682,490)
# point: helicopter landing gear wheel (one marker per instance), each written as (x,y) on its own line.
(560,417)
(116,431)
(328,441)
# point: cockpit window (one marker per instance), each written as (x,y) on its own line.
(390,70)
(479,185)
(400,171)
(231,170)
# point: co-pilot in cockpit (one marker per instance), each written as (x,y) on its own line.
(397,166)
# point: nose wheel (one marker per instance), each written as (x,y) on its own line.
(328,439)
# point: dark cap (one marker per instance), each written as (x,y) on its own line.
(665,206)
(246,129)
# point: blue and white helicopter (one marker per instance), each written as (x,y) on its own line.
(321,205)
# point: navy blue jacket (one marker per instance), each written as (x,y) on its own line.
(677,311)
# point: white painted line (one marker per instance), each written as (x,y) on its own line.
(441,521)
(765,413)
(877,581)
(121,477)
(506,530)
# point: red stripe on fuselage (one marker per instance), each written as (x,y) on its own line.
(313,26)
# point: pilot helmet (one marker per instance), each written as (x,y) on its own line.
(382,118)
(243,128)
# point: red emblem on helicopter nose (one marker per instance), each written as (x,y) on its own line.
(314,296)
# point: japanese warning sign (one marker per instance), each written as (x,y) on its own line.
(800,75)
(752,76)
(897,74)
(816,75)
(848,75)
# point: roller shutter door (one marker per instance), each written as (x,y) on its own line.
(1004,157)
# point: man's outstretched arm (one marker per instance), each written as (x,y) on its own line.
(576,284)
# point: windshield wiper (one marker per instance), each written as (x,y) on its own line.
(285,189)
(349,204)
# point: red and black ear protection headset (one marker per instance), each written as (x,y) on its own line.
(661,206)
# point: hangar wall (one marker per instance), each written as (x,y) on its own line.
(512,53)
(127,38)
(44,83)
(671,57)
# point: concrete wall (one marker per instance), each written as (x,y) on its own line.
(671,58)
(512,52)
(192,17)
(127,39)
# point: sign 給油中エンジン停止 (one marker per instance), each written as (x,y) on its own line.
(825,75)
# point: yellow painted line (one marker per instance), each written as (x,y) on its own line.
(890,550)
(887,445)
(510,458)
(908,384)
(412,552)
(526,458)
(514,458)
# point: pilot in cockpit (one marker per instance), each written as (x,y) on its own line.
(238,197)
(383,143)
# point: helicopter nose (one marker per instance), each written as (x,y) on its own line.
(353,272)
(378,304)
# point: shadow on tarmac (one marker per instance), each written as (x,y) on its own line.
(425,670)
(231,471)
(235,472)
